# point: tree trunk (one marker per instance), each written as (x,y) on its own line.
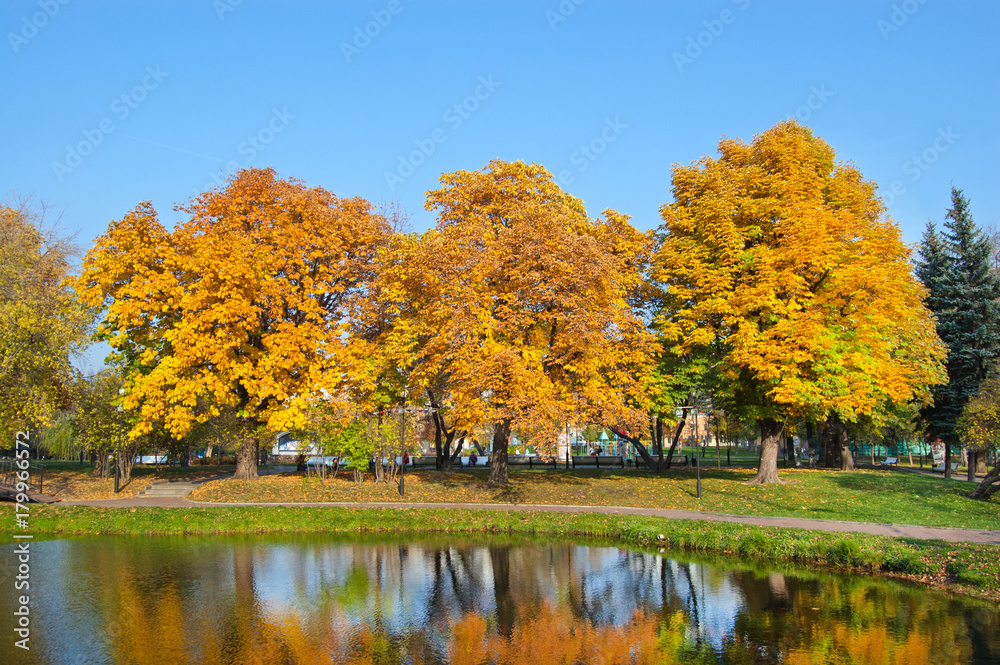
(456,452)
(810,442)
(790,450)
(637,444)
(972,465)
(770,441)
(989,485)
(674,441)
(246,459)
(125,462)
(981,463)
(498,462)
(838,449)
(101,464)
(947,461)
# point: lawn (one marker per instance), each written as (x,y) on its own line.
(72,481)
(883,496)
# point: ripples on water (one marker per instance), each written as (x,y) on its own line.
(330,600)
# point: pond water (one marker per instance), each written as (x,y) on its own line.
(323,599)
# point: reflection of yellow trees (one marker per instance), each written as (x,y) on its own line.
(215,614)
(552,636)
(871,646)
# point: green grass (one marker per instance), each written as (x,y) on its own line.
(969,569)
(881,496)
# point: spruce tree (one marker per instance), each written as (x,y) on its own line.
(964,293)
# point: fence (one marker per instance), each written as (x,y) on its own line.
(9,468)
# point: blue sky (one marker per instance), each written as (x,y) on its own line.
(110,103)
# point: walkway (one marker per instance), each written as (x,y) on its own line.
(980,536)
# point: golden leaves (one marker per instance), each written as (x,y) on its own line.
(242,306)
(782,261)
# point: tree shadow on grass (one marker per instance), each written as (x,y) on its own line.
(507,494)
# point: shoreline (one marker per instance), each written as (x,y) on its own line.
(968,569)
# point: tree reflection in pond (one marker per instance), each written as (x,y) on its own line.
(316,600)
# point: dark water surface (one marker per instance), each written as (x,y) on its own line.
(326,599)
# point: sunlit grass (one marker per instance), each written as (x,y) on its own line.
(882,496)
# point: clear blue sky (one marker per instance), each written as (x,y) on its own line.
(166,97)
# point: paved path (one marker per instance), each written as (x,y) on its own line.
(898,530)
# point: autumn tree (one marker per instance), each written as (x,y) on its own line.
(41,322)
(101,428)
(514,310)
(979,427)
(240,311)
(780,264)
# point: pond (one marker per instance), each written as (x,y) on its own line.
(328,599)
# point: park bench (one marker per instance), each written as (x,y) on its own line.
(675,460)
(530,461)
(940,467)
(481,461)
(599,460)
(423,461)
(318,460)
(890,461)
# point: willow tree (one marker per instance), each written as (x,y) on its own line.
(781,264)
(241,311)
(515,307)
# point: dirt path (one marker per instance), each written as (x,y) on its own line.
(980,536)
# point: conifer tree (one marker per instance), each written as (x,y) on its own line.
(955,266)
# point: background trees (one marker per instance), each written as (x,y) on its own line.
(41,323)
(957,269)
(979,428)
(778,262)
(241,309)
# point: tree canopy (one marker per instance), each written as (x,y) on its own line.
(956,267)
(515,307)
(243,308)
(41,322)
(781,264)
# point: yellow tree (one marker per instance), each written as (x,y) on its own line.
(514,308)
(242,310)
(41,322)
(781,264)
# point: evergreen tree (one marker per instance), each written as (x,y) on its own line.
(964,293)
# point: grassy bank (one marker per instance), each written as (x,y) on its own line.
(969,569)
(881,496)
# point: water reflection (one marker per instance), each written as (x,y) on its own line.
(312,600)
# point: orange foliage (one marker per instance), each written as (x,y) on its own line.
(243,307)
